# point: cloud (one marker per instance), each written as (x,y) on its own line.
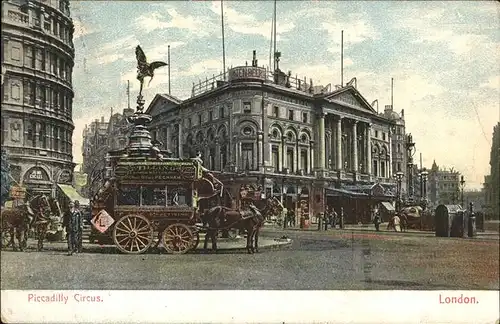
(80,29)
(155,20)
(248,24)
(356,31)
(493,83)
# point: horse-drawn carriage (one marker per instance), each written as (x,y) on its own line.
(148,202)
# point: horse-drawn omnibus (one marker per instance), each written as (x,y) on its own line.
(147,200)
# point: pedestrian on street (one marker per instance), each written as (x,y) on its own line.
(80,228)
(376,221)
(73,223)
(334,218)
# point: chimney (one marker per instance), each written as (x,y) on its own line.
(402,113)
(388,108)
(102,119)
(254,60)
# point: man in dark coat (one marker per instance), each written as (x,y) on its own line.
(74,223)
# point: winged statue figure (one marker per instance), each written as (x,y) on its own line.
(145,69)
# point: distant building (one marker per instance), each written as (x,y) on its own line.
(444,186)
(491,187)
(98,138)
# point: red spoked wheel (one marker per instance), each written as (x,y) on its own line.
(178,238)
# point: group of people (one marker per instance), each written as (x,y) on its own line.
(332,218)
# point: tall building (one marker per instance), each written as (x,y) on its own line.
(37,95)
(444,186)
(305,144)
(492,181)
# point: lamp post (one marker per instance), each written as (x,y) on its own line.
(423,188)
(399,179)
(410,150)
(462,186)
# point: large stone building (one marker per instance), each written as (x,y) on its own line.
(444,186)
(301,142)
(37,95)
(98,138)
(491,187)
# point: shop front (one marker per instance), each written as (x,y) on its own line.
(37,182)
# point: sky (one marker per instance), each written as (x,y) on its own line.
(444,58)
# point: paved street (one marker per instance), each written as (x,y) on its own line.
(315,260)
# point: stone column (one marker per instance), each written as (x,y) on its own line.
(389,167)
(283,153)
(355,145)
(310,165)
(260,161)
(368,149)
(328,149)
(180,150)
(217,159)
(321,141)
(339,143)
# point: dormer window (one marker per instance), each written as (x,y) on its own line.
(290,114)
(304,117)
(276,111)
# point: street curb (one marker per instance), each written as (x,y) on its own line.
(111,249)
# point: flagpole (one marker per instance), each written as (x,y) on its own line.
(271,43)
(392,93)
(128,94)
(274,24)
(342,59)
(168,69)
(223,42)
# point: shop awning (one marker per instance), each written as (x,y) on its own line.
(73,195)
(388,206)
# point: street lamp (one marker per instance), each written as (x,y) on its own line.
(423,188)
(410,150)
(462,186)
(399,179)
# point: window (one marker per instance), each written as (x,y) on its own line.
(376,134)
(31,92)
(399,148)
(247,107)
(275,157)
(210,116)
(290,114)
(15,92)
(42,139)
(56,138)
(289,160)
(54,28)
(130,196)
(15,53)
(199,119)
(30,131)
(211,159)
(154,196)
(276,111)
(399,167)
(375,168)
(47,26)
(221,112)
(189,122)
(303,160)
(43,96)
(383,136)
(304,117)
(40,58)
(382,169)
(223,157)
(30,56)
(247,154)
(179,195)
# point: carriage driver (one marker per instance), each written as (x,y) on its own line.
(208,175)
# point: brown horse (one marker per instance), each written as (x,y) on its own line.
(19,220)
(16,223)
(251,220)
